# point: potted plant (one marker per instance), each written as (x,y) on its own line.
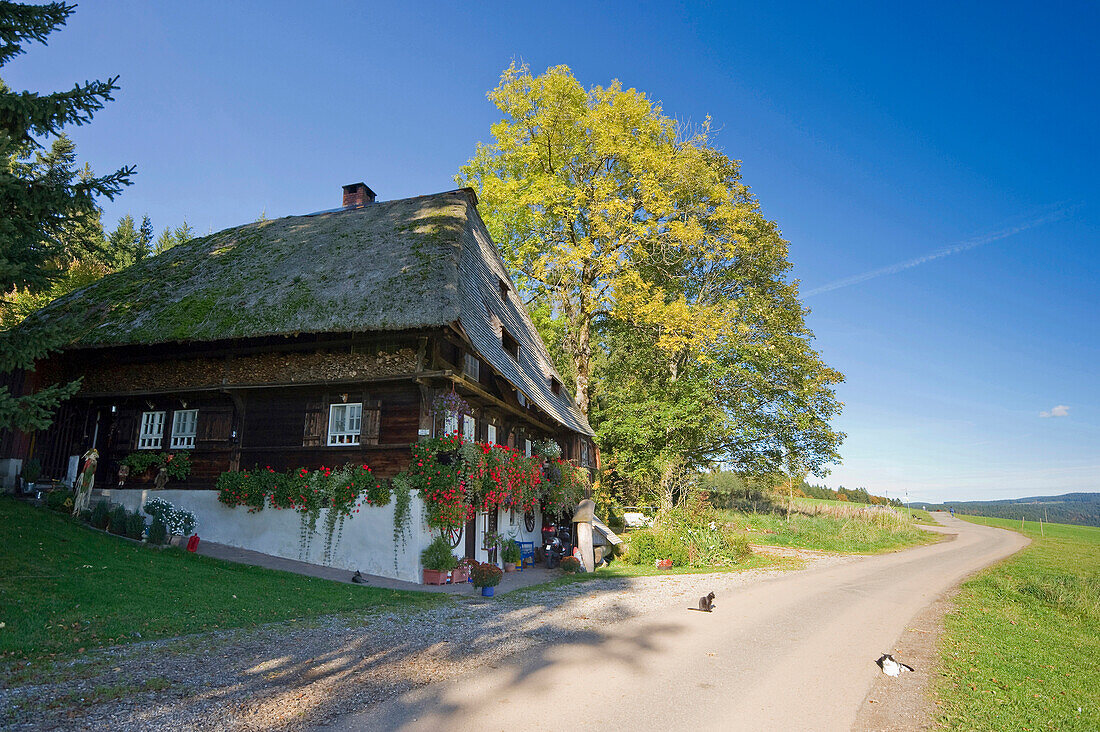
(486,576)
(571,565)
(438,561)
(510,555)
(461,572)
(32,471)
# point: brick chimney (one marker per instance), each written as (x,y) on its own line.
(358,194)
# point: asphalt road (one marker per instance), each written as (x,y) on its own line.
(792,653)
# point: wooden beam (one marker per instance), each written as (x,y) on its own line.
(268,385)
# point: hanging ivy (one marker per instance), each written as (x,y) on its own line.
(339,492)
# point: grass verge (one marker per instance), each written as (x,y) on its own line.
(1021,649)
(850,529)
(65,588)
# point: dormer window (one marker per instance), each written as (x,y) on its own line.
(511,345)
(471,367)
(555,386)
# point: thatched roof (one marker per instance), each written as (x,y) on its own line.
(395,265)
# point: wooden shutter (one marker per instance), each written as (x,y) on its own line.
(215,425)
(372,422)
(315,430)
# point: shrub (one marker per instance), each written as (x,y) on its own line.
(437,556)
(117,520)
(158,533)
(572,565)
(61,501)
(486,575)
(510,552)
(32,470)
(135,525)
(101,514)
(691,536)
(175,520)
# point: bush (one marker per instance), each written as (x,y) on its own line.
(572,565)
(158,533)
(61,501)
(117,520)
(486,575)
(101,514)
(135,525)
(690,537)
(176,521)
(510,552)
(437,556)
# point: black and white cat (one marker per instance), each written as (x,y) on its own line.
(891,666)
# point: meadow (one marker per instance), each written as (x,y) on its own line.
(66,588)
(836,526)
(1021,649)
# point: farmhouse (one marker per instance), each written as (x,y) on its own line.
(299,342)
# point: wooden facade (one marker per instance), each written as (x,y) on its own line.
(267,404)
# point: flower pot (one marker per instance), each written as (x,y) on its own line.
(509,567)
(459,574)
(487,591)
(435,577)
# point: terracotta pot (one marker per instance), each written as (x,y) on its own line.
(459,574)
(509,567)
(435,577)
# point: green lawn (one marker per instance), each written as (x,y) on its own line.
(837,527)
(1021,650)
(65,587)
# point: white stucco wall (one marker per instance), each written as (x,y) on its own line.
(366,543)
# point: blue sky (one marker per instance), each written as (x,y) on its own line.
(874,135)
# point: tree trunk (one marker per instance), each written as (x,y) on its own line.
(582,360)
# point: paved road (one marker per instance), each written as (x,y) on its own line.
(793,653)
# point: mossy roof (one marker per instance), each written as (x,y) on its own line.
(405,264)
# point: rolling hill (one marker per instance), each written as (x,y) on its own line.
(1072,508)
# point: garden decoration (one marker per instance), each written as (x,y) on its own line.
(85,481)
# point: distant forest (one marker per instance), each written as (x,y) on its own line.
(728,490)
(1072,508)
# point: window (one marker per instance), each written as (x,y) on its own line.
(345,422)
(527,447)
(450,423)
(555,386)
(469,428)
(521,398)
(491,434)
(152,430)
(184,424)
(511,345)
(472,367)
(504,289)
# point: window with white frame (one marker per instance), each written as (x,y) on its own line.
(527,447)
(345,422)
(184,424)
(472,367)
(152,431)
(491,434)
(469,428)
(450,423)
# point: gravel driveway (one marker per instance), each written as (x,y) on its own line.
(301,674)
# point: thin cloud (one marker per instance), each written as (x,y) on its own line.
(945,252)
(1059,411)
